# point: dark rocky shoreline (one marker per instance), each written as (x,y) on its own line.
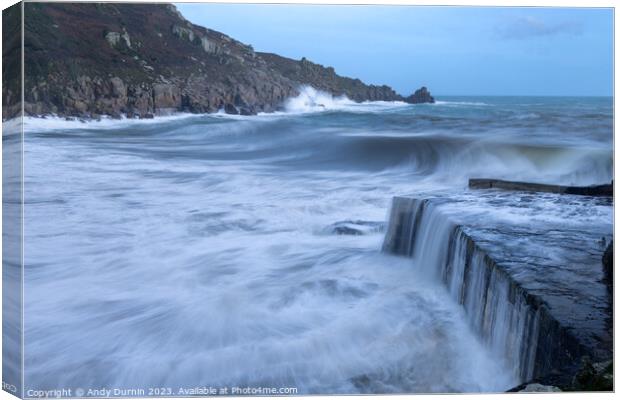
(86,60)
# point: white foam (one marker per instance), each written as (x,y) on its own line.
(12,126)
(312,100)
(248,281)
(55,122)
(249,284)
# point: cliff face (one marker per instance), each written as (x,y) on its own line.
(326,79)
(89,59)
(11,61)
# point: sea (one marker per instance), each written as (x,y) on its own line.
(220,251)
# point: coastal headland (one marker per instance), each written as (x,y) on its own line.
(87,60)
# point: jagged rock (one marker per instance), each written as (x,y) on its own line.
(118,87)
(183,32)
(230,109)
(125,37)
(114,38)
(139,100)
(175,11)
(326,79)
(166,96)
(421,95)
(594,377)
(208,46)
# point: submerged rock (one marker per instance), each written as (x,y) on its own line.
(537,387)
(355,227)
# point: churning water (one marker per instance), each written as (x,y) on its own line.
(203,250)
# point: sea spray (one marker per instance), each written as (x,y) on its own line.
(443,253)
(311,99)
(498,256)
(191,244)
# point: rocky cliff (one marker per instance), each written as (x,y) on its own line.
(326,79)
(11,61)
(91,59)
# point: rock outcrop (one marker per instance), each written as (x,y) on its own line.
(325,78)
(587,377)
(92,59)
(594,377)
(11,61)
(421,95)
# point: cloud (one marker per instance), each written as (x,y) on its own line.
(528,27)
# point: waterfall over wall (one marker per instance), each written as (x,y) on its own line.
(515,324)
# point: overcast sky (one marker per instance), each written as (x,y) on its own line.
(452,50)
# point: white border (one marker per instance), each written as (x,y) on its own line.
(482,3)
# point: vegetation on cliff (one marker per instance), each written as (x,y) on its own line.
(91,59)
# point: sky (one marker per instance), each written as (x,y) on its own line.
(468,51)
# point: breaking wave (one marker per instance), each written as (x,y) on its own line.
(312,100)
(188,243)
(57,123)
